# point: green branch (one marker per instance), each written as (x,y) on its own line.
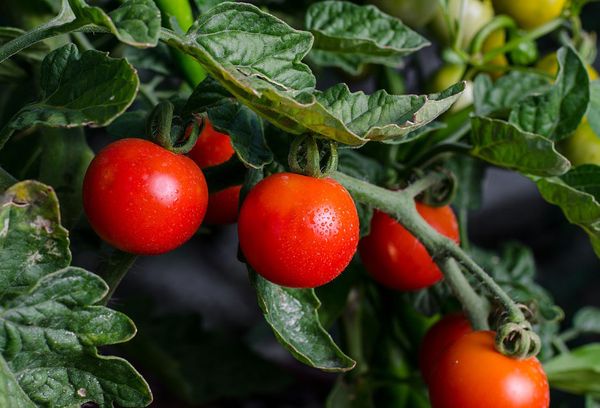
(446,253)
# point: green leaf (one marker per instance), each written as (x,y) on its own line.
(293,316)
(502,95)
(227,115)
(469,173)
(577,372)
(556,113)
(577,193)
(129,124)
(505,145)
(33,242)
(587,320)
(78,90)
(64,160)
(205,365)
(350,36)
(49,327)
(593,114)
(267,76)
(135,22)
(334,295)
(384,117)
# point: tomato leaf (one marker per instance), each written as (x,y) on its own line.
(50,327)
(577,372)
(593,114)
(501,96)
(587,320)
(349,36)
(470,173)
(135,22)
(505,145)
(64,160)
(267,76)
(556,113)
(227,115)
(293,316)
(78,90)
(577,193)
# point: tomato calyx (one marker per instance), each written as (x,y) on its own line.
(305,156)
(166,129)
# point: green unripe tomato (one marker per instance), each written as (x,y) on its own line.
(526,53)
(447,75)
(583,147)
(415,13)
(476,14)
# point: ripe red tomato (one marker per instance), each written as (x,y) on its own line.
(472,374)
(211,149)
(223,206)
(441,336)
(395,258)
(142,198)
(298,231)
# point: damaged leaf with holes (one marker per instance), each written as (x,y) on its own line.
(51,325)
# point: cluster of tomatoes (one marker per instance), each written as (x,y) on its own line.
(302,232)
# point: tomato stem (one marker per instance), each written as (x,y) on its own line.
(530,36)
(442,249)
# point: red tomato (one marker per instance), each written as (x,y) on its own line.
(298,231)
(395,258)
(441,336)
(211,149)
(142,198)
(472,374)
(223,206)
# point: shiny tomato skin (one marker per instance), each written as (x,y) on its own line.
(142,198)
(298,231)
(439,337)
(212,147)
(395,258)
(223,206)
(472,374)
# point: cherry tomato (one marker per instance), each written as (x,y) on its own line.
(549,64)
(298,231)
(223,206)
(583,147)
(472,374)
(531,13)
(441,336)
(447,75)
(395,258)
(211,149)
(142,198)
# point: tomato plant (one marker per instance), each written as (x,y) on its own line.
(211,149)
(395,258)
(388,164)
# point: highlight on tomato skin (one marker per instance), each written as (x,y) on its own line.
(437,340)
(211,149)
(471,373)
(396,259)
(142,198)
(298,231)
